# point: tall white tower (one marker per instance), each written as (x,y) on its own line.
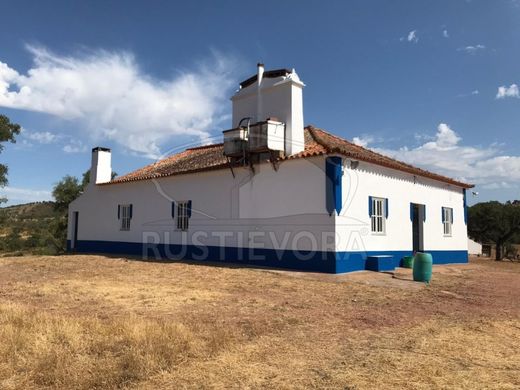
(273,94)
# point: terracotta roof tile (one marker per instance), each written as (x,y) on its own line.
(339,145)
(191,160)
(317,142)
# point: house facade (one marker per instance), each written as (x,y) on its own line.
(275,194)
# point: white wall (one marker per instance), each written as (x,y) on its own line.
(353,223)
(284,209)
(474,248)
(268,202)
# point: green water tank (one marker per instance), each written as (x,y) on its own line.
(408,262)
(422,267)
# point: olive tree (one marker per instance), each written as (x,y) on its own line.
(495,222)
(8,130)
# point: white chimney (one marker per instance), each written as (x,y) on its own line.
(294,134)
(259,77)
(101,168)
(273,94)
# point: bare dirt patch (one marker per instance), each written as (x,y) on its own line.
(94,321)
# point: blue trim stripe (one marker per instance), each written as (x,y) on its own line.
(356,261)
(333,179)
(189,209)
(298,260)
(328,262)
(465,200)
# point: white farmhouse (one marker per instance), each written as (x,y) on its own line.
(274,193)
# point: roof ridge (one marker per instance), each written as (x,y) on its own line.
(205,146)
(400,165)
(324,144)
(312,129)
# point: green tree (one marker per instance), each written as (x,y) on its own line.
(65,191)
(8,131)
(14,240)
(58,230)
(86,179)
(494,222)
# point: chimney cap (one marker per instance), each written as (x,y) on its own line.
(267,74)
(100,149)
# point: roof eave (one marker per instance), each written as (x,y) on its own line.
(432,176)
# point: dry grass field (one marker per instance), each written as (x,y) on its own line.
(78,322)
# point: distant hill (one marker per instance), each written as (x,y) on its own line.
(29,210)
(27,227)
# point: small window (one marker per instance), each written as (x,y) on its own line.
(183,215)
(126,216)
(447,220)
(378,215)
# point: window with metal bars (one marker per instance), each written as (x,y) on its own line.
(126,216)
(183,215)
(447,220)
(378,215)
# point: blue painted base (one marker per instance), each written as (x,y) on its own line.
(328,262)
(380,263)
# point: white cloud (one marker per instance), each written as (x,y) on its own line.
(74,149)
(74,146)
(511,91)
(412,36)
(445,34)
(43,137)
(472,49)
(445,154)
(21,195)
(475,92)
(497,186)
(110,97)
(363,140)
(445,138)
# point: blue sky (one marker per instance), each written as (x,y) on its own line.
(434,83)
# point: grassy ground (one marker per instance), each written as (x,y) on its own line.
(96,322)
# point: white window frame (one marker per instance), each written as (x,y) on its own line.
(378,217)
(125,217)
(447,217)
(182,215)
